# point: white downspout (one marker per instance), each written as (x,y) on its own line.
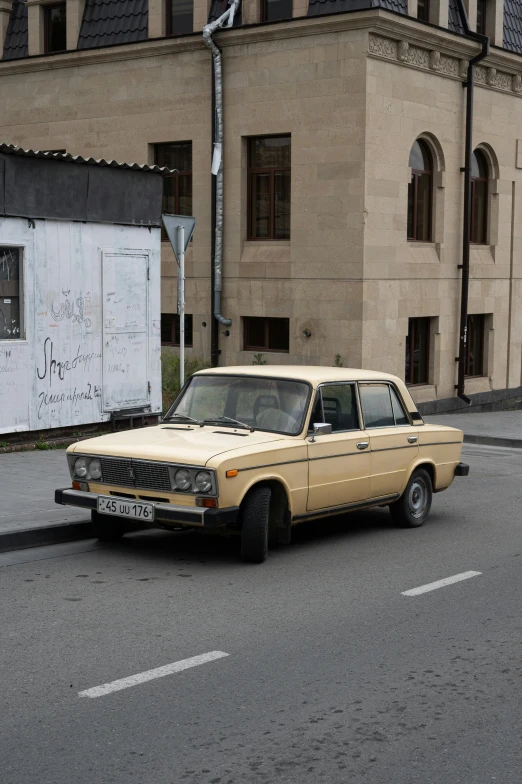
(225,20)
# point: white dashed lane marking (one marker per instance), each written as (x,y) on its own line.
(457,578)
(149,675)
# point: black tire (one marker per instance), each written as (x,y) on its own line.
(413,507)
(254,531)
(106,528)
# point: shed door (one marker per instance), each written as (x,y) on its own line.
(125,329)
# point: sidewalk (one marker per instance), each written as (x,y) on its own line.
(501,428)
(28,515)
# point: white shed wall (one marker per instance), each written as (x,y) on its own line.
(92,324)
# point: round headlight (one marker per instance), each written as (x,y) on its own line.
(95,469)
(183,480)
(80,467)
(203,481)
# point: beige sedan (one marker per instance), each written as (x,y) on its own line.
(257,450)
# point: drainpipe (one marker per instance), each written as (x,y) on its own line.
(466,232)
(225,20)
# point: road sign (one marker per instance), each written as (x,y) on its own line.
(172,223)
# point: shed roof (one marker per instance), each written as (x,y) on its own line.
(12,149)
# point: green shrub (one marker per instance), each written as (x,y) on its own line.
(258,360)
(170,374)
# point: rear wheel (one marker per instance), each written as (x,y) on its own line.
(106,528)
(254,531)
(413,507)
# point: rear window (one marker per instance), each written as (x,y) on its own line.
(376,405)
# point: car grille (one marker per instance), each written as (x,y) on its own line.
(135,473)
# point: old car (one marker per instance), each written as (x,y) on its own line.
(259,449)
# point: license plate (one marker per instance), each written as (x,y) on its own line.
(123,508)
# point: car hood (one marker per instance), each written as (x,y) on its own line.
(174,443)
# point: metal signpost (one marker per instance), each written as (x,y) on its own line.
(179,230)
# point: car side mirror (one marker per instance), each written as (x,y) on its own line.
(322,428)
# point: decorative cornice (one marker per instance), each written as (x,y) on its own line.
(403,52)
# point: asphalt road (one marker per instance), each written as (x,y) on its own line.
(332,674)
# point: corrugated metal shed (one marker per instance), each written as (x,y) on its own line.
(513,25)
(12,149)
(15,44)
(107,22)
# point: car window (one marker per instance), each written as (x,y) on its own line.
(376,405)
(339,403)
(398,410)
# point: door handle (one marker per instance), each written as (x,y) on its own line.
(412,439)
(362,445)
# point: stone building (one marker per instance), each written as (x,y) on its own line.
(344,145)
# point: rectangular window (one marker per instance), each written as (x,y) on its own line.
(475,346)
(423,10)
(269,188)
(336,404)
(55,27)
(180,17)
(272,10)
(481,16)
(266,334)
(177,187)
(11,294)
(170,329)
(417,368)
(376,405)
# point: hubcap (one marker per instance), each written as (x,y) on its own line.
(418,498)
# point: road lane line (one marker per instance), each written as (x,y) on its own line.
(440,583)
(149,675)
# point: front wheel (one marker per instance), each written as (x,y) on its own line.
(254,531)
(106,528)
(413,507)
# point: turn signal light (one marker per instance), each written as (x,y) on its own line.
(231,473)
(210,503)
(76,485)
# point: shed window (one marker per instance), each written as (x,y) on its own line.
(11,294)
(55,27)
(180,17)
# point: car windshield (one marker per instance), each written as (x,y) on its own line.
(271,404)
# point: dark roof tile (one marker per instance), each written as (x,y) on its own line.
(454,20)
(107,22)
(513,25)
(15,44)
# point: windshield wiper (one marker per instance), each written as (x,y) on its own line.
(184,416)
(226,419)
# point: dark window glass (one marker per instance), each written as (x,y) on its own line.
(11,302)
(376,405)
(423,10)
(55,28)
(481,17)
(337,406)
(417,351)
(170,329)
(269,188)
(479,198)
(177,187)
(272,10)
(398,411)
(475,346)
(266,334)
(180,17)
(419,193)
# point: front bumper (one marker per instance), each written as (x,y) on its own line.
(462,469)
(163,513)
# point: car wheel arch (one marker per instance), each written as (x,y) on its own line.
(280,506)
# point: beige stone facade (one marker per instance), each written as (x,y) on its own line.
(354,91)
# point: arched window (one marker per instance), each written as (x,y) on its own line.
(420,192)
(479,198)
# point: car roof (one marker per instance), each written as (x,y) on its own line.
(315,374)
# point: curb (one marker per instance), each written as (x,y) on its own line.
(509,443)
(48,534)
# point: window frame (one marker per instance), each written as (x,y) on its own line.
(271,171)
(169,32)
(175,175)
(319,395)
(481,21)
(412,341)
(426,17)
(173,330)
(482,318)
(264,349)
(389,384)
(263,13)
(485,215)
(21,294)
(47,9)
(415,176)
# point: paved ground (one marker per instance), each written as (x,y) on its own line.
(501,425)
(332,675)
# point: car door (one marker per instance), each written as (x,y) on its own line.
(339,463)
(393,439)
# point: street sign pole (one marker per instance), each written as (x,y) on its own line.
(181,298)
